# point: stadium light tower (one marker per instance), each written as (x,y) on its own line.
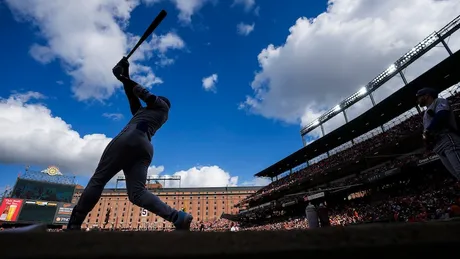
(396,68)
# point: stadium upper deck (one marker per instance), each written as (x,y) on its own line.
(441,77)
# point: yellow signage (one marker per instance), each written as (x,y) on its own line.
(45,203)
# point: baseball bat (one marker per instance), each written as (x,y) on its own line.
(149,31)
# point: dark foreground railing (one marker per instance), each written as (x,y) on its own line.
(415,240)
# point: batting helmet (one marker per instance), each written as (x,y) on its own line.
(427,91)
(166,100)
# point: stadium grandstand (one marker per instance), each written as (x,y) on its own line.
(376,153)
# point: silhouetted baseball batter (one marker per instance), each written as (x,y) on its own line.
(132,152)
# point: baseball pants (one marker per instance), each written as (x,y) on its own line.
(448,150)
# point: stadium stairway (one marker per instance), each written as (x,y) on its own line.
(403,240)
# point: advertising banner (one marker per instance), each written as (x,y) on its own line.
(9,209)
(63,213)
(313,196)
(427,160)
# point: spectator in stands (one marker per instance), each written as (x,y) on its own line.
(234,228)
(440,129)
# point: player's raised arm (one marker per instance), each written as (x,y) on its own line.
(152,101)
(121,72)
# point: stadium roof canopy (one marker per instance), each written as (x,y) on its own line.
(440,77)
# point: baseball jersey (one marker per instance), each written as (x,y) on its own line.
(151,119)
(438,105)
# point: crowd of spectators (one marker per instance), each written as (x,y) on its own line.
(403,201)
(427,203)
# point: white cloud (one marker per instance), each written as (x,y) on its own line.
(166,42)
(248,4)
(209,83)
(31,135)
(113,116)
(155,170)
(42,54)
(59,82)
(205,176)
(25,97)
(329,57)
(187,8)
(89,40)
(244,29)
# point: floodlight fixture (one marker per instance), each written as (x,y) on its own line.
(362,91)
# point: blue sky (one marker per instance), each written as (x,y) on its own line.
(213,135)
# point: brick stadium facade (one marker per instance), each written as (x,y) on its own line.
(205,204)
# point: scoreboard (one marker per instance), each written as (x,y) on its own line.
(33,211)
(38,212)
(43,191)
(35,201)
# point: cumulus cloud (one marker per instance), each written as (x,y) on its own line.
(31,135)
(209,83)
(88,39)
(187,8)
(27,96)
(113,116)
(204,176)
(329,57)
(244,29)
(156,170)
(247,4)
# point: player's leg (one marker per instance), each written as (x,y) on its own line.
(136,177)
(109,165)
(446,163)
(451,151)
